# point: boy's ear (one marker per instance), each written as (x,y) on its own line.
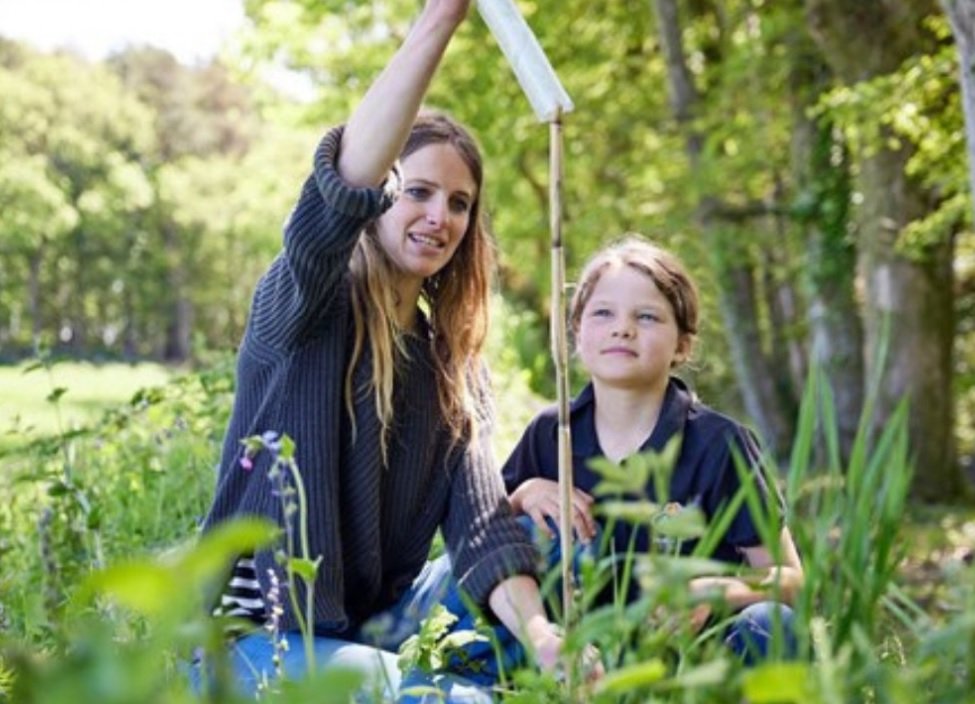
(683,350)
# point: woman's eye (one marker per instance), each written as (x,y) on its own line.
(601,313)
(460,205)
(417,192)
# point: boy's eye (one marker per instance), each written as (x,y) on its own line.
(653,317)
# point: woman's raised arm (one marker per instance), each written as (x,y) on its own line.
(378,128)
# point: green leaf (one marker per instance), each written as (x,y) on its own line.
(306,569)
(707,675)
(638,512)
(686,523)
(331,685)
(143,586)
(58,489)
(56,394)
(287,451)
(216,549)
(458,639)
(679,569)
(629,678)
(780,682)
(409,653)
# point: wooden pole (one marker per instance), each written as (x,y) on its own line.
(560,353)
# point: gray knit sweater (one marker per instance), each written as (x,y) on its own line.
(372,524)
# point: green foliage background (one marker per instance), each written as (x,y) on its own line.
(141,199)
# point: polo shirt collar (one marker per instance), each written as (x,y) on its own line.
(678,401)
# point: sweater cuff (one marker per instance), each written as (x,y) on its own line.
(365,202)
(492,569)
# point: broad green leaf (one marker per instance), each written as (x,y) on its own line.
(686,523)
(632,677)
(458,639)
(637,512)
(777,682)
(145,587)
(219,547)
(707,675)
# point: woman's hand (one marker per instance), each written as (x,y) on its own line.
(539,498)
(547,647)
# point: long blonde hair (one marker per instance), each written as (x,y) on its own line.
(456,299)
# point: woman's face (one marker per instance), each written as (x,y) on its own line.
(422,230)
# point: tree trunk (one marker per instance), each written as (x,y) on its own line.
(34,296)
(916,297)
(734,269)
(821,173)
(130,344)
(761,383)
(179,326)
(961,13)
(911,291)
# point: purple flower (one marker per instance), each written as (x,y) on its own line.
(247,463)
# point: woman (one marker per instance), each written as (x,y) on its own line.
(387,404)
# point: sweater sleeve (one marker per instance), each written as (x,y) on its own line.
(486,543)
(319,236)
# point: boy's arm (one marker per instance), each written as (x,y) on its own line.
(779,581)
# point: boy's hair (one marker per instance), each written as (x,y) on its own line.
(456,299)
(665,270)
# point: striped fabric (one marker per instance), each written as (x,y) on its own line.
(242,597)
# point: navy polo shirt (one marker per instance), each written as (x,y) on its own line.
(704,475)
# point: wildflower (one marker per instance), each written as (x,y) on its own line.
(271,440)
(273,624)
(247,463)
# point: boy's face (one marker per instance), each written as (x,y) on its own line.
(628,336)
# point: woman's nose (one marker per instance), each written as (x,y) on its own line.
(436,213)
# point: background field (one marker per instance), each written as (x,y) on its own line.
(90,389)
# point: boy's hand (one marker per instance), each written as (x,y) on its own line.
(539,498)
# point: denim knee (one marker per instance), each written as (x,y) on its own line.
(763,629)
(252,661)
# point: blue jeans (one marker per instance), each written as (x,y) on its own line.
(371,650)
(751,634)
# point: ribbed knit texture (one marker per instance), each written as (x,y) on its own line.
(372,525)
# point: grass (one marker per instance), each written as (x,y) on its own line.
(887,614)
(90,390)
